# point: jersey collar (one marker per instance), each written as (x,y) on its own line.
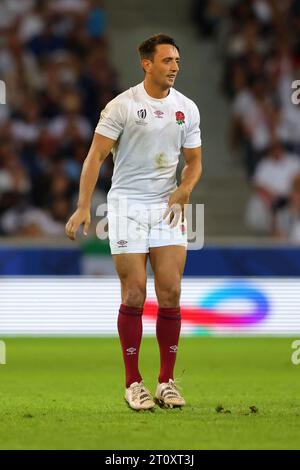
(155,100)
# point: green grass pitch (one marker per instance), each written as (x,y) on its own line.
(67,393)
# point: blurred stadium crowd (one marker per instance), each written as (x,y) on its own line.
(54,60)
(259,44)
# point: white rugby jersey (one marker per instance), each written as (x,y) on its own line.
(150,133)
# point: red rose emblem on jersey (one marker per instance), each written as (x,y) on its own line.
(180,117)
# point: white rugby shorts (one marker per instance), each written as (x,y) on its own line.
(137,227)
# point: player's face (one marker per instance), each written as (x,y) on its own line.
(165,65)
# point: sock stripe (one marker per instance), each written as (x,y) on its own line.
(169,313)
(126,310)
(169,310)
(166,317)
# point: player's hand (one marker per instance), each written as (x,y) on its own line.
(177,206)
(80,216)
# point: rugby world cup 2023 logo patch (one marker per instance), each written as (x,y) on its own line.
(142,113)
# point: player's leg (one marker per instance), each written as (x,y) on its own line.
(168,264)
(131,269)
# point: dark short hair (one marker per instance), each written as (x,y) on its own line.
(148,47)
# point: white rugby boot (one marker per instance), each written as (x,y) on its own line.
(168,396)
(138,397)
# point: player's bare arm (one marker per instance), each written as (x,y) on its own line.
(190,176)
(99,150)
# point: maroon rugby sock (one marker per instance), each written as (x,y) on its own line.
(167,332)
(130,330)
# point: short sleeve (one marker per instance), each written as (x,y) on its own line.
(193,136)
(111,122)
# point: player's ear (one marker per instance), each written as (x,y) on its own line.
(146,64)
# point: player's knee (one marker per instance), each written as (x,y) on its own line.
(135,295)
(169,295)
